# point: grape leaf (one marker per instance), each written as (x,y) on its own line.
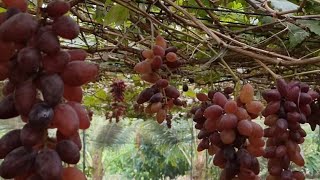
(313,25)
(117,14)
(283,5)
(297,35)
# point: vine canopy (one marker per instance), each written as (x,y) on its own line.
(228,40)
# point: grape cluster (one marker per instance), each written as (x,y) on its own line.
(228,132)
(117,89)
(314,118)
(157,60)
(161,96)
(43,86)
(288,107)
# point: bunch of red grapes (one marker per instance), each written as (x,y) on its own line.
(314,118)
(117,89)
(288,107)
(227,130)
(161,96)
(44,88)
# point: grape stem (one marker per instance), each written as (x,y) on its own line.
(302,73)
(236,78)
(274,75)
(39,5)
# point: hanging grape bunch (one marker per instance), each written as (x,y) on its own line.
(43,86)
(314,118)
(288,107)
(228,132)
(161,96)
(117,89)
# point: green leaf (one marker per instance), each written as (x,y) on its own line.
(190,93)
(297,35)
(283,5)
(117,14)
(101,94)
(108,2)
(313,25)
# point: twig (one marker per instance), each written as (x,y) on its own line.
(302,73)
(274,75)
(197,22)
(236,78)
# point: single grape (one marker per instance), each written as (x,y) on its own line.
(246,93)
(71,173)
(155,107)
(156,63)
(219,99)
(19,28)
(68,151)
(161,115)
(47,41)
(51,87)
(172,92)
(143,67)
(57,8)
(41,115)
(7,107)
(77,73)
(228,121)
(31,136)
(228,136)
(84,120)
(17,162)
(231,107)
(29,60)
(174,65)
(72,93)
(254,107)
(158,51)
(63,112)
(272,108)
(290,106)
(10,141)
(77,54)
(162,83)
(282,87)
(213,112)
(156,98)
(293,94)
(160,41)
(48,164)
(25,97)
(171,57)
(55,63)
(245,127)
(145,95)
(66,27)
(148,54)
(242,114)
(202,97)
(305,98)
(150,77)
(74,138)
